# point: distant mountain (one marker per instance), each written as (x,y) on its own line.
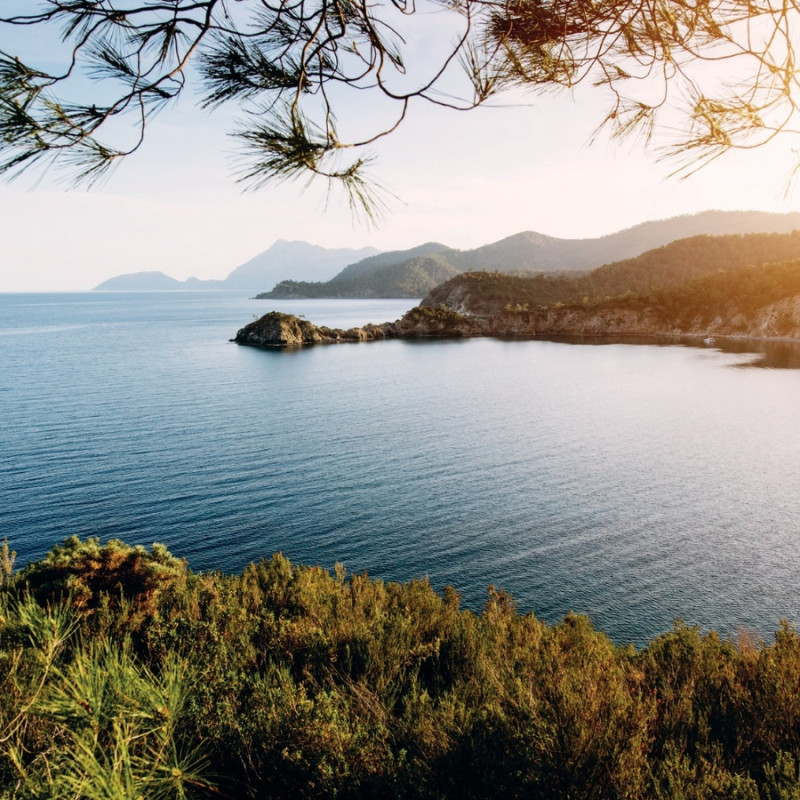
(300,260)
(299,269)
(527,252)
(591,253)
(140,282)
(394,257)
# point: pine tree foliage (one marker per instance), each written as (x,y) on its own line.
(651,56)
(723,72)
(7,558)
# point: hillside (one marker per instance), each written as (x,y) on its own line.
(529,252)
(759,301)
(413,277)
(676,263)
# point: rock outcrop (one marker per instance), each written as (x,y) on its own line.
(276,329)
(286,330)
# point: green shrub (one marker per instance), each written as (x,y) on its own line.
(293,681)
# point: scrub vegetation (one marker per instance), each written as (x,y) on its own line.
(127,675)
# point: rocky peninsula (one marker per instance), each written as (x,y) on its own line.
(276,329)
(754,302)
(780,319)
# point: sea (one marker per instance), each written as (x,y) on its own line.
(636,483)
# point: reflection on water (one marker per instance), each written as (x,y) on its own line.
(764,353)
(770,354)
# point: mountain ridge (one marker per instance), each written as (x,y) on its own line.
(526,252)
(320,272)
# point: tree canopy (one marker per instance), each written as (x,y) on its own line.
(79,79)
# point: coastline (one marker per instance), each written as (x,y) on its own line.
(278,329)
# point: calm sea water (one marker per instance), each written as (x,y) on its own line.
(633,483)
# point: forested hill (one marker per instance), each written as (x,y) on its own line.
(755,302)
(489,294)
(393,258)
(413,277)
(412,273)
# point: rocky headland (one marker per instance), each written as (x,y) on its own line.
(275,329)
(753,302)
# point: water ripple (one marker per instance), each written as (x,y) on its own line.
(631,483)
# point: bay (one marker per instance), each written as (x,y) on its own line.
(634,483)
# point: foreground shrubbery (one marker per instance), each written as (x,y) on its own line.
(125,675)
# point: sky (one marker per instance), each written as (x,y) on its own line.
(460,178)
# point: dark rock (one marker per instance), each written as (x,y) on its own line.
(286,330)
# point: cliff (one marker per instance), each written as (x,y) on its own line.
(780,319)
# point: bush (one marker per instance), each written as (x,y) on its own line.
(296,682)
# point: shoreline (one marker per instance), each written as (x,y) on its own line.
(278,329)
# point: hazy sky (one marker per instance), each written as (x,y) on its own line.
(464,179)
